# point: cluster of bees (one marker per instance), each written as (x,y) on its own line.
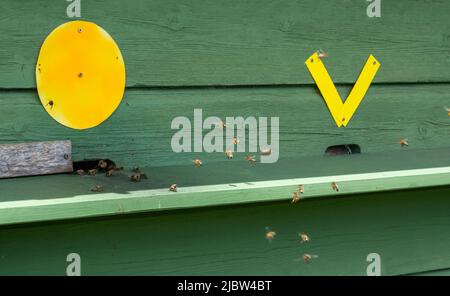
(251,159)
(295,197)
(110,169)
(303,238)
(102,166)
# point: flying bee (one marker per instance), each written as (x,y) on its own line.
(404,143)
(270,234)
(102,164)
(197,162)
(173,188)
(321,54)
(50,103)
(308,257)
(251,159)
(301,189)
(295,197)
(97,188)
(335,186)
(448,110)
(235,141)
(223,124)
(304,238)
(80,172)
(267,151)
(93,172)
(229,154)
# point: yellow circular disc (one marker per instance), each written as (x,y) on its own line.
(80,75)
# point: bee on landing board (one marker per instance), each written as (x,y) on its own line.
(173,188)
(80,172)
(235,141)
(137,177)
(97,188)
(93,172)
(111,169)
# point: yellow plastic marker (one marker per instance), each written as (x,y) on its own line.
(80,75)
(342,112)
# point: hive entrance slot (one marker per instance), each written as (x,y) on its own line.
(90,164)
(344,149)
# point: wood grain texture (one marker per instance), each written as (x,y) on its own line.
(139,132)
(37,158)
(231,240)
(199,42)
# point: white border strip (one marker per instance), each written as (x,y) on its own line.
(228,187)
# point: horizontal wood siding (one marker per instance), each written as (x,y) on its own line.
(203,42)
(139,132)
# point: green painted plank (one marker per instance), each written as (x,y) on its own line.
(119,200)
(199,42)
(139,133)
(406,228)
(227,172)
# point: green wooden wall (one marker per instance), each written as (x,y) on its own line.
(242,58)
(139,132)
(253,42)
(231,240)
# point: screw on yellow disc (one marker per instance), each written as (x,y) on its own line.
(80,75)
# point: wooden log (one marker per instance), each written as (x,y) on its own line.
(37,158)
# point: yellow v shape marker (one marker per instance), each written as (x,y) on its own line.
(342,112)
